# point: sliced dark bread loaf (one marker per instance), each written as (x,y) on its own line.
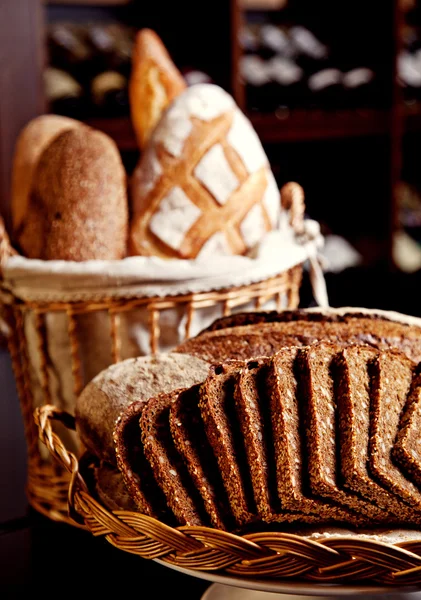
(136,471)
(167,465)
(392,378)
(264,339)
(289,443)
(407,449)
(253,411)
(192,444)
(353,398)
(224,435)
(320,410)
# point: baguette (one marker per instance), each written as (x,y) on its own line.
(154,82)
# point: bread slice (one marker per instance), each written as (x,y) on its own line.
(112,390)
(289,443)
(223,432)
(167,465)
(190,440)
(252,406)
(249,404)
(138,476)
(392,378)
(407,449)
(354,385)
(320,410)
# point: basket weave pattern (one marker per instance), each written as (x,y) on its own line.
(267,555)
(42,495)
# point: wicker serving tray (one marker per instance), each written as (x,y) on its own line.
(266,555)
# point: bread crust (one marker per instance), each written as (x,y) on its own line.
(110,393)
(30,144)
(154,82)
(78,206)
(265,337)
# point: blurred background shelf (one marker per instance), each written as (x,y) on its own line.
(332,89)
(298,125)
(87,2)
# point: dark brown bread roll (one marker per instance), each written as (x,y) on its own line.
(78,207)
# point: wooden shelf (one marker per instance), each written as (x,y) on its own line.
(298,125)
(87,2)
(412,117)
(305,125)
(262,4)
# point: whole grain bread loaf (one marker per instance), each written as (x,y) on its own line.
(114,389)
(77,209)
(249,335)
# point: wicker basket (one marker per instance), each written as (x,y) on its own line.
(267,555)
(47,482)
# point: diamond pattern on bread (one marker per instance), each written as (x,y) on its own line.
(209,150)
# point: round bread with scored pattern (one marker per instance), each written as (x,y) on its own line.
(203,186)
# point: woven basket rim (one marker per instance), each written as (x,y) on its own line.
(271,555)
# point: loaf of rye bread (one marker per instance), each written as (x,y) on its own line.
(285,439)
(248,335)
